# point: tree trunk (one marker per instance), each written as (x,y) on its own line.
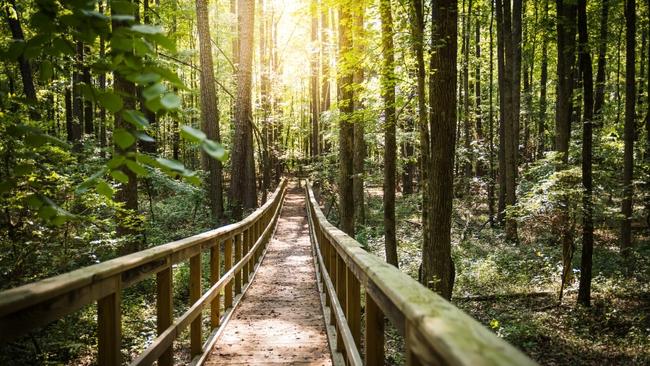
(467,166)
(492,180)
(127,194)
(599,98)
(628,131)
(477,87)
(417,29)
(346,122)
(584,291)
(359,39)
(390,144)
(437,265)
(502,82)
(543,80)
(242,186)
(209,110)
(314,84)
(23,64)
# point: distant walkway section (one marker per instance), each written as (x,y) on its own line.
(279,320)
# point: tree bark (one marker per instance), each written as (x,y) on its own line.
(346,123)
(629,127)
(437,265)
(543,80)
(242,186)
(23,64)
(209,110)
(584,291)
(359,39)
(314,84)
(390,144)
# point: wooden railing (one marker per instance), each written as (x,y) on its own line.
(435,331)
(27,307)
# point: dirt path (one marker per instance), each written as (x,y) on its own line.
(279,320)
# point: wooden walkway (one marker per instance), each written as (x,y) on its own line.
(279,320)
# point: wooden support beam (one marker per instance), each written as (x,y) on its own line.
(109,324)
(247,268)
(374,333)
(237,259)
(196,343)
(353,306)
(164,310)
(227,298)
(215,274)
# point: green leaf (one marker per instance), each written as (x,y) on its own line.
(116,161)
(171,164)
(34,202)
(5,186)
(170,101)
(137,168)
(23,169)
(136,118)
(192,134)
(214,149)
(147,29)
(143,136)
(110,101)
(153,104)
(104,189)
(123,138)
(46,70)
(146,78)
(119,176)
(153,91)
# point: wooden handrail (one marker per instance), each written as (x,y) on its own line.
(27,307)
(435,331)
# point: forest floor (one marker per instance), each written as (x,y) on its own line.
(513,288)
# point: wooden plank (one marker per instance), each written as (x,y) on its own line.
(215,274)
(374,333)
(109,330)
(196,343)
(342,294)
(164,310)
(237,259)
(227,302)
(246,247)
(353,306)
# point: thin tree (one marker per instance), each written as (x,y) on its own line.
(543,80)
(314,86)
(346,126)
(359,156)
(390,144)
(584,291)
(629,127)
(437,265)
(209,110)
(242,185)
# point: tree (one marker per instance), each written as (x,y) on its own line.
(314,86)
(629,126)
(437,265)
(543,80)
(584,292)
(242,186)
(359,157)
(209,111)
(346,122)
(390,144)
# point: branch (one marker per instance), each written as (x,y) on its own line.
(197,69)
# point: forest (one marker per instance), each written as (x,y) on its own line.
(496,151)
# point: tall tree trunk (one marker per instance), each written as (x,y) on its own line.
(209,110)
(23,64)
(437,265)
(502,82)
(77,98)
(102,86)
(629,128)
(346,121)
(314,85)
(265,96)
(417,29)
(242,186)
(127,194)
(359,39)
(647,141)
(89,117)
(599,99)
(325,56)
(566,31)
(390,144)
(467,166)
(584,291)
(543,80)
(477,87)
(492,180)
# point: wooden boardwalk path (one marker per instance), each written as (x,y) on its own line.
(279,320)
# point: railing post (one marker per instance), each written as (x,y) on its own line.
(341,292)
(237,259)
(227,300)
(374,333)
(195,295)
(109,324)
(215,274)
(164,310)
(246,269)
(353,306)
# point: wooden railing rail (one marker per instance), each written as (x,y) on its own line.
(435,331)
(30,306)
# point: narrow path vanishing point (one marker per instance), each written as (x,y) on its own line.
(279,320)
